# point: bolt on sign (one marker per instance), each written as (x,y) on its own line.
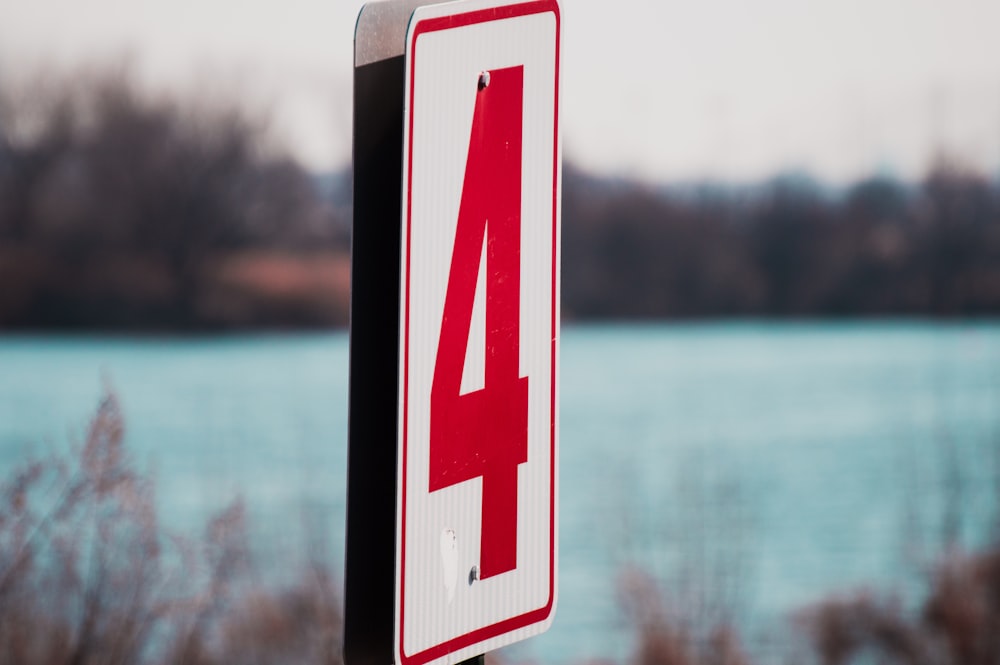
(452,488)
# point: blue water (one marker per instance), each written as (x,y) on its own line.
(749,468)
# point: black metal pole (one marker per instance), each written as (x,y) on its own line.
(370,556)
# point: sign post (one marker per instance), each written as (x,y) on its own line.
(452,488)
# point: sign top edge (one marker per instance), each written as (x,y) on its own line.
(380,30)
(383,28)
(456,8)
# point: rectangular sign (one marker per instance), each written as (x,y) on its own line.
(479,324)
(452,543)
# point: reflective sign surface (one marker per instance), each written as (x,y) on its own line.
(476,542)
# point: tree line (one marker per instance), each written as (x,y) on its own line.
(123,209)
(120,209)
(788,248)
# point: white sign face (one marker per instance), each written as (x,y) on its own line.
(476,496)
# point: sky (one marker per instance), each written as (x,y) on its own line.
(731,90)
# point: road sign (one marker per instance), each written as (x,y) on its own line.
(475,347)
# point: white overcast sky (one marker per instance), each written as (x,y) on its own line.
(659,89)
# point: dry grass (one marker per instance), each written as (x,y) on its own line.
(664,638)
(89,577)
(958,623)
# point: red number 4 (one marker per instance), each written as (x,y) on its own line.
(484,433)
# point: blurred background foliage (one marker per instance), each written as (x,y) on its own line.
(787,247)
(121,209)
(90,574)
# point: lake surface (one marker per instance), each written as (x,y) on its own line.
(751,468)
